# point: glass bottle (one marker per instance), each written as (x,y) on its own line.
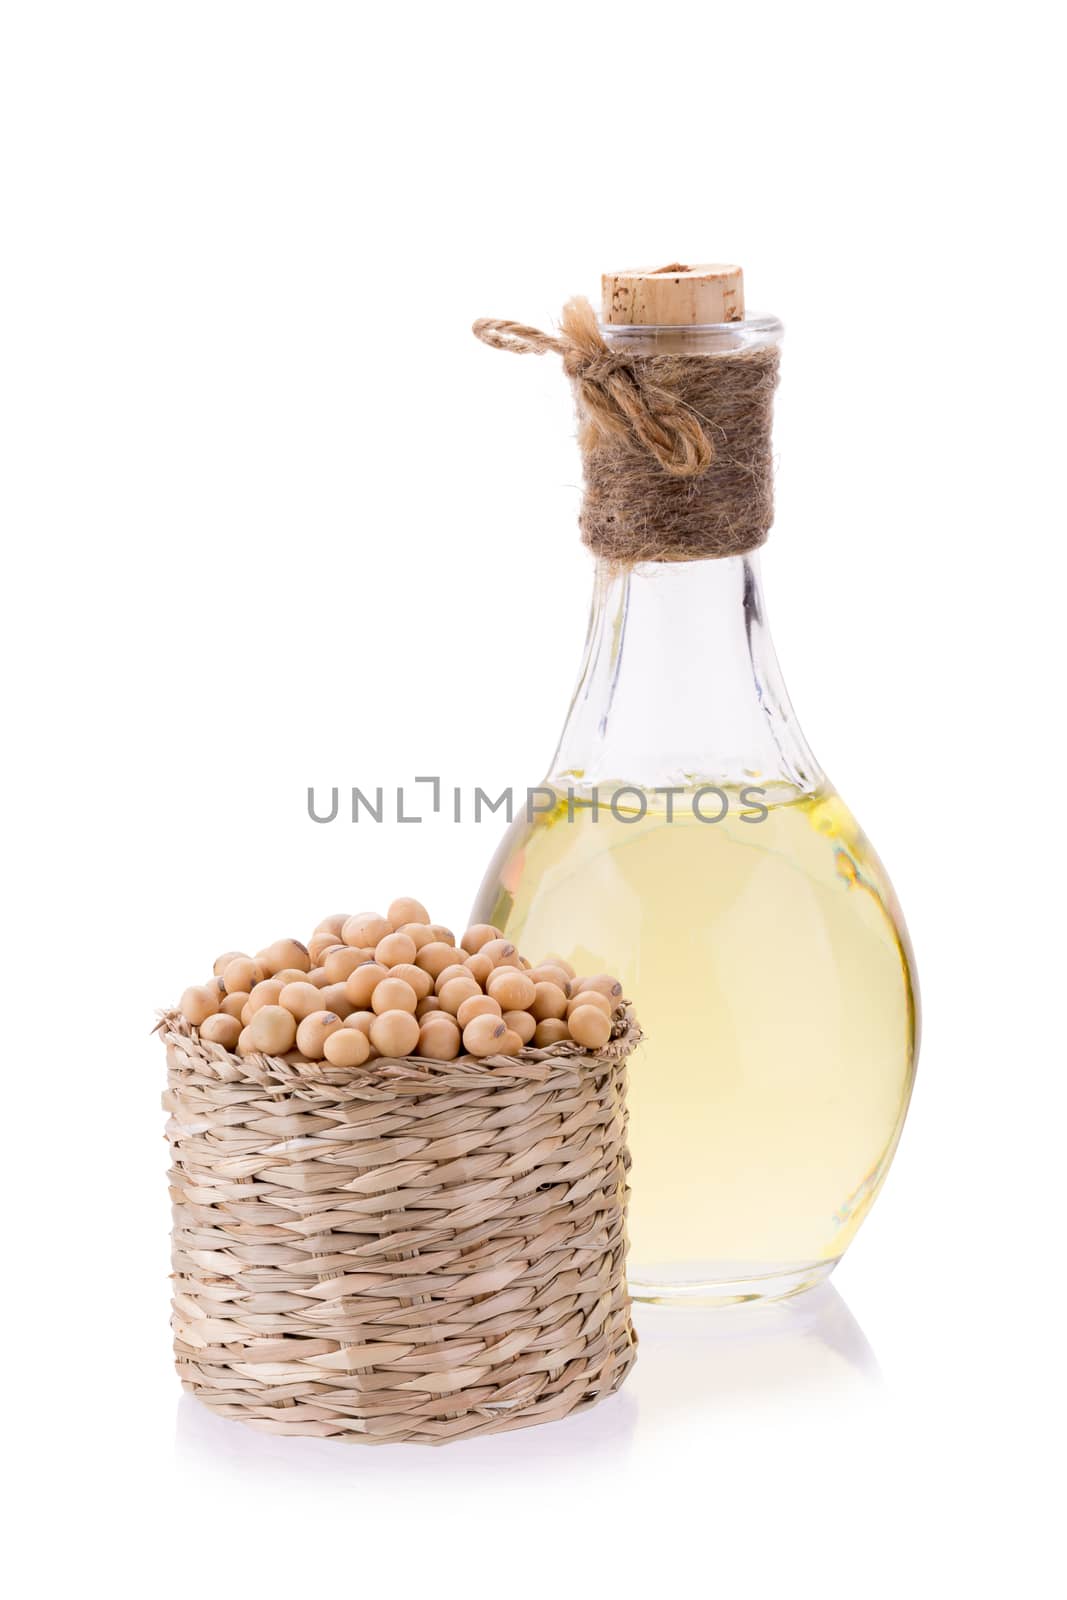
(686,839)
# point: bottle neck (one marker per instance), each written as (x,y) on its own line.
(680,685)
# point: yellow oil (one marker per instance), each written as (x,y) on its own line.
(769,967)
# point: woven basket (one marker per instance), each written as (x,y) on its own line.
(408,1250)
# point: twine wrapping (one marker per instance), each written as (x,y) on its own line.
(676,449)
(409,1250)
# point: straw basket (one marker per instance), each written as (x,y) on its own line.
(408,1250)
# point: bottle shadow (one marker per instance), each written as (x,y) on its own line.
(751,1356)
(692,1361)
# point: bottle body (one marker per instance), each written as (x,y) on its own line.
(687,841)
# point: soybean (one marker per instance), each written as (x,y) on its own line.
(394,949)
(221,1029)
(477,1005)
(313,1032)
(241,973)
(199,1003)
(420,981)
(272,1030)
(287,953)
(347,1047)
(393,994)
(299,999)
(360,985)
(365,930)
(453,994)
(550,1031)
(439,1038)
(482,1036)
(436,956)
(223,961)
(513,988)
(549,1002)
(342,960)
(407,910)
(589,1027)
(395,1033)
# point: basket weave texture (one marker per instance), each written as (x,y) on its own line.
(408,1250)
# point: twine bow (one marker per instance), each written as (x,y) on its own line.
(615,394)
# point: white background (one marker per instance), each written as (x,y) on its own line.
(272,518)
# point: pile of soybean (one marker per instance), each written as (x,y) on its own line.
(365,986)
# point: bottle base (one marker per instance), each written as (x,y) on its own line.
(721,1283)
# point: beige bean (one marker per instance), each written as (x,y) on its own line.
(420,981)
(457,970)
(348,1047)
(590,1027)
(242,974)
(313,1032)
(439,1038)
(320,945)
(273,1029)
(514,989)
(501,952)
(284,954)
(343,960)
(592,997)
(453,994)
(551,1031)
(394,949)
(436,956)
(223,961)
(291,975)
(334,997)
(266,993)
(479,935)
(602,982)
(393,994)
(365,930)
(221,1029)
(482,1036)
(545,973)
(234,1004)
(479,967)
(477,1005)
(522,1023)
(407,910)
(360,985)
(361,1020)
(300,999)
(549,1001)
(198,1003)
(395,1033)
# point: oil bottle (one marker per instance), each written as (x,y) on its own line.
(686,838)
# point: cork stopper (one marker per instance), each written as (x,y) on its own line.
(673,296)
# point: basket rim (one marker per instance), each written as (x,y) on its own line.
(531,1064)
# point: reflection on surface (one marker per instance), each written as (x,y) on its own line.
(692,1361)
(757,1355)
(594,1438)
